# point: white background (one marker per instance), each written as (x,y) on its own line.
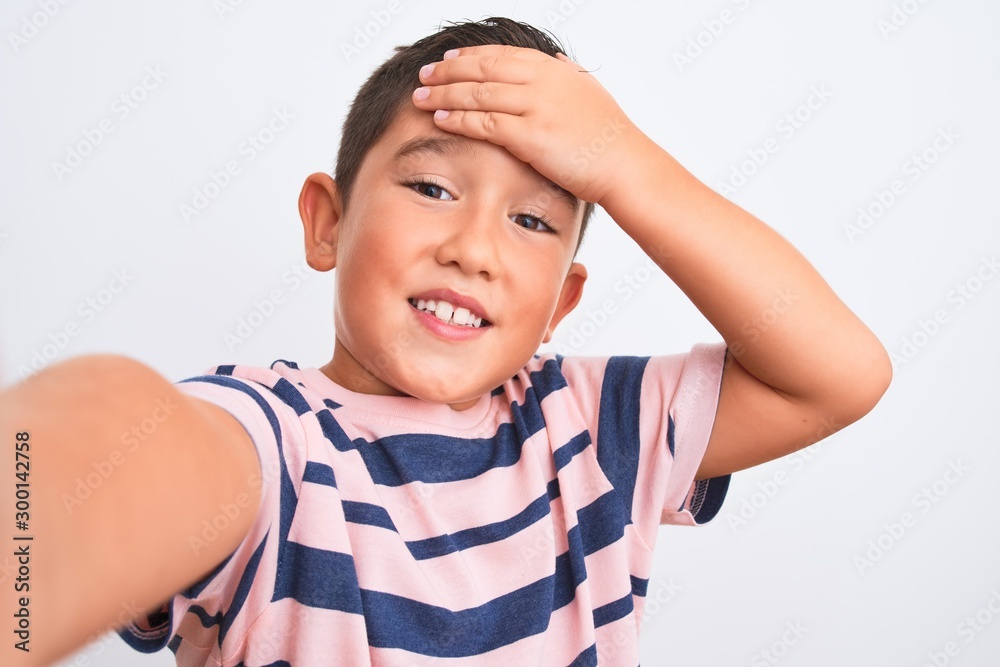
(735,586)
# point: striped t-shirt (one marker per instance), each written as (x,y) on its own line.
(393,531)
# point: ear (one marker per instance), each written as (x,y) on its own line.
(321,208)
(572,290)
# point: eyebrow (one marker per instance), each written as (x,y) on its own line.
(455,145)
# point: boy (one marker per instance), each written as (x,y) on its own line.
(437,493)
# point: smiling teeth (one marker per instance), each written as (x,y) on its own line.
(446,312)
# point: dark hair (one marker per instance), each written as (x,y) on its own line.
(382,96)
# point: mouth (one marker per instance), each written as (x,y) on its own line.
(452,309)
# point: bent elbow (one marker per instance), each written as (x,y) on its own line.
(873,375)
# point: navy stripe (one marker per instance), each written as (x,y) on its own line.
(709,496)
(277,663)
(333,405)
(670,434)
(319,473)
(368,514)
(612,611)
(328,580)
(547,379)
(318,578)
(618,425)
(207,620)
(398,622)
(565,453)
(527,417)
(639,586)
(586,659)
(242,589)
(571,570)
(287,392)
(602,522)
(224,370)
(290,364)
(552,490)
(401,459)
(174,644)
(441,545)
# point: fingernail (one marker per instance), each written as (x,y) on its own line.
(452,53)
(421,93)
(426,71)
(441,114)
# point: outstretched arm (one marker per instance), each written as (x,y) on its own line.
(122,470)
(800,364)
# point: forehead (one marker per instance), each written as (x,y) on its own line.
(413,136)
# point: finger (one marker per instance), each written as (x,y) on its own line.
(479,68)
(497,50)
(487,96)
(498,128)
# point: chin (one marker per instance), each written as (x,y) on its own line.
(442,392)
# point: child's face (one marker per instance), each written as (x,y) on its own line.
(472,238)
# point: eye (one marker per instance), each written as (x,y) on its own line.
(429,188)
(532,222)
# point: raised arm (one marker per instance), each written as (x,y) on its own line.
(124,468)
(800,364)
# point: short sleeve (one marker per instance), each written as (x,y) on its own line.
(195,621)
(690,419)
(651,418)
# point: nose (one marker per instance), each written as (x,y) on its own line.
(471,241)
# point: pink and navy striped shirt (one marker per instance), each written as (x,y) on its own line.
(392,531)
